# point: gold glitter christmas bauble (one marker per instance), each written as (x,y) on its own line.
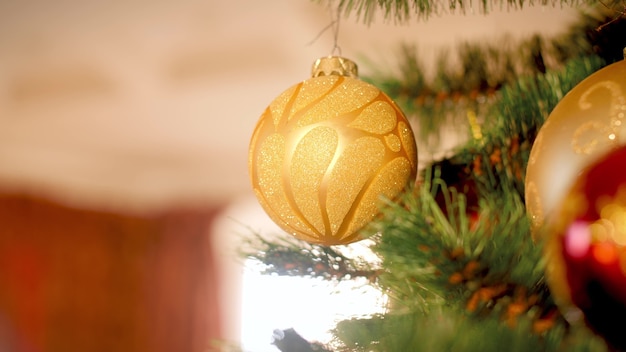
(586,124)
(326,150)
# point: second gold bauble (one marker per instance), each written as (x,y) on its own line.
(323,154)
(586,124)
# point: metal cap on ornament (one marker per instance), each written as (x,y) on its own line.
(334,66)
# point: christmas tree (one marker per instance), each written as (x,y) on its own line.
(461,260)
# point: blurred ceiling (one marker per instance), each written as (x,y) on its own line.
(147,103)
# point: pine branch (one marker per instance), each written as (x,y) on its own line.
(288,256)
(514,121)
(468,82)
(443,249)
(454,331)
(433,255)
(448,266)
(403,10)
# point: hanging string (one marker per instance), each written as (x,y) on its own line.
(334,25)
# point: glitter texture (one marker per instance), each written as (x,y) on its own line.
(324,153)
(308,166)
(379,117)
(353,170)
(277,107)
(386,184)
(270,189)
(311,91)
(348,95)
(393,142)
(408,142)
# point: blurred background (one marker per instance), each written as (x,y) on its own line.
(142,107)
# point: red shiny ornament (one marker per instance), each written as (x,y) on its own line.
(587,248)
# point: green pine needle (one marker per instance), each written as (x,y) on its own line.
(454,331)
(424,244)
(403,10)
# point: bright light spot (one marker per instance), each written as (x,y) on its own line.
(605,253)
(578,239)
(310,306)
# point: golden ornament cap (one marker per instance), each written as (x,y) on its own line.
(334,66)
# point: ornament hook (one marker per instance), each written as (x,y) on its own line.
(335,25)
(334,64)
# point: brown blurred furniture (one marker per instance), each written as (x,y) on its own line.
(73,279)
